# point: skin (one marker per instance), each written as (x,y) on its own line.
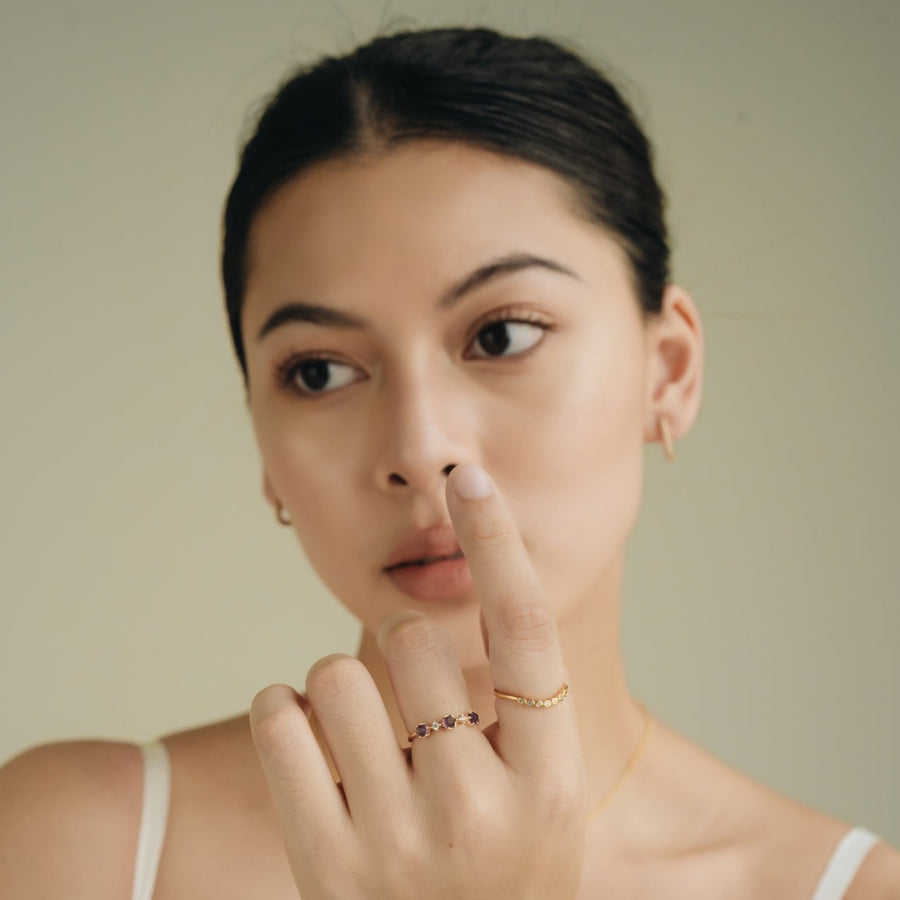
(592,389)
(562,430)
(498,813)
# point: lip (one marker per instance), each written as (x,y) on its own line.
(442,580)
(425,545)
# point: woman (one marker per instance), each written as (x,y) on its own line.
(446,272)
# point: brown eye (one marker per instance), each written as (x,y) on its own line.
(315,375)
(496,338)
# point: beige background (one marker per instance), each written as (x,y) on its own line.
(145,585)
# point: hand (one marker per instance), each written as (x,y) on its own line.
(469,813)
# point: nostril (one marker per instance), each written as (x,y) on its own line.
(449,469)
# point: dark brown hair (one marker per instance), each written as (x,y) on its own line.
(528,98)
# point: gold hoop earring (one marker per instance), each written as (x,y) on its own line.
(668,443)
(281,514)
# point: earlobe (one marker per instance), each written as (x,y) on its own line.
(674,367)
(269,491)
(667,439)
(281,513)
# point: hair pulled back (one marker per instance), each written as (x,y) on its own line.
(528,98)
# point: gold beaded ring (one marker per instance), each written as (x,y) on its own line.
(531,701)
(446,723)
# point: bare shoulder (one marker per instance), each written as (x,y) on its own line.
(215,761)
(793,844)
(222,837)
(69,815)
(789,845)
(742,838)
(878,877)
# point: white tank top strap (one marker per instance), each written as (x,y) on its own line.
(154,812)
(844,864)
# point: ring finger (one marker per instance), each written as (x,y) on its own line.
(430,689)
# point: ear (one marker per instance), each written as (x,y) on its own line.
(674,376)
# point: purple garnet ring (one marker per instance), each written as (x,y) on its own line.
(445,723)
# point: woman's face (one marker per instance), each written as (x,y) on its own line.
(536,372)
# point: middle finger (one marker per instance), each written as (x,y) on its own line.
(525,655)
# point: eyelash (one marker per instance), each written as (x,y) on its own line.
(286,371)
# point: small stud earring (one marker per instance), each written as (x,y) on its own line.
(281,514)
(668,443)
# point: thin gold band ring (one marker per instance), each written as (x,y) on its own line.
(555,700)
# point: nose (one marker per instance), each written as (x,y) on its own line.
(417,438)
(397,478)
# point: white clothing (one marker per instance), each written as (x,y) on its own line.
(155,812)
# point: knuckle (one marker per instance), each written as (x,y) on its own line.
(492,536)
(529,625)
(334,859)
(414,636)
(480,812)
(402,853)
(333,675)
(560,797)
(332,851)
(273,720)
(471,822)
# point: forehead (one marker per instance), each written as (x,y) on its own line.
(413,217)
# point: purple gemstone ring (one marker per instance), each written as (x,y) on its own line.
(445,723)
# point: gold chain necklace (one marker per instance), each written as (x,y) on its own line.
(629,768)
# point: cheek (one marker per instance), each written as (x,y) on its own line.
(302,460)
(590,515)
(580,473)
(332,530)
(312,479)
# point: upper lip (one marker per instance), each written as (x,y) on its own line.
(428,543)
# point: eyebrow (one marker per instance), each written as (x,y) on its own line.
(327,316)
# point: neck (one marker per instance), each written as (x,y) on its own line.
(610,723)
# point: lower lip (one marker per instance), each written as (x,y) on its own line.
(434,581)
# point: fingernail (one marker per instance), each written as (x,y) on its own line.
(471,482)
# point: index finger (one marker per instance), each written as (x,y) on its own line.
(525,653)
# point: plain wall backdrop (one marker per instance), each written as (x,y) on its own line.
(145,584)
